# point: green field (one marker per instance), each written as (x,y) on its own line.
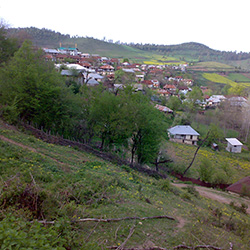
(238,77)
(216,78)
(211,66)
(42,181)
(238,164)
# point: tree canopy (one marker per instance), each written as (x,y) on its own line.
(38,90)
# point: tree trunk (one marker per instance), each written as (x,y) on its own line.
(191,163)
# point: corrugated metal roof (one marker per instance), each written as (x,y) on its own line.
(66,72)
(95,76)
(234,141)
(182,130)
(92,82)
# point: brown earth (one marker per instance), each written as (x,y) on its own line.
(220,196)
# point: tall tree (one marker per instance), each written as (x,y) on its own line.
(40,92)
(8,46)
(148,128)
(193,99)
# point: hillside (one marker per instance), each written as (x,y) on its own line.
(52,39)
(190,52)
(193,52)
(76,193)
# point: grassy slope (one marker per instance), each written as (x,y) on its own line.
(238,164)
(216,78)
(211,66)
(72,184)
(238,77)
(243,64)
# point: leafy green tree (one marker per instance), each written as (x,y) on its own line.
(8,46)
(174,103)
(122,77)
(108,119)
(148,128)
(237,90)
(193,99)
(40,92)
(127,120)
(206,170)
(215,136)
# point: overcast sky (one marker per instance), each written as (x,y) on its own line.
(219,24)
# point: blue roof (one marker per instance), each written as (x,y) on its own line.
(63,48)
(182,130)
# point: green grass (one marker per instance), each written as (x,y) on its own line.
(238,77)
(63,184)
(241,64)
(212,66)
(216,78)
(238,164)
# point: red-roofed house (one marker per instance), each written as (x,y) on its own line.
(163,92)
(106,68)
(170,88)
(164,109)
(148,83)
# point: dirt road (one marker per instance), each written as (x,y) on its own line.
(220,196)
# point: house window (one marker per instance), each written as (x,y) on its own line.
(191,137)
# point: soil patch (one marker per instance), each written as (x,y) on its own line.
(218,195)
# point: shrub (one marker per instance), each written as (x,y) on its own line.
(242,208)
(245,191)
(186,196)
(193,191)
(206,170)
(164,185)
(18,234)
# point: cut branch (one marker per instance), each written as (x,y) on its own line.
(113,219)
(197,247)
(177,247)
(126,218)
(129,236)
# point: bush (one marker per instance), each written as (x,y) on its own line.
(10,114)
(186,196)
(242,208)
(245,191)
(193,191)
(164,185)
(206,170)
(18,234)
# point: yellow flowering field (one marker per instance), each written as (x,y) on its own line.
(213,77)
(182,154)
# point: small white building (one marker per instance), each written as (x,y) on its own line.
(233,145)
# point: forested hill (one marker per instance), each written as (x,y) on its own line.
(51,39)
(39,37)
(193,50)
(187,51)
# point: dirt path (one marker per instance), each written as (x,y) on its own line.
(17,144)
(219,196)
(26,147)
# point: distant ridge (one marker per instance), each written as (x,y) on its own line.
(190,51)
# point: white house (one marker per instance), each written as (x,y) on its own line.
(183,134)
(233,145)
(215,100)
